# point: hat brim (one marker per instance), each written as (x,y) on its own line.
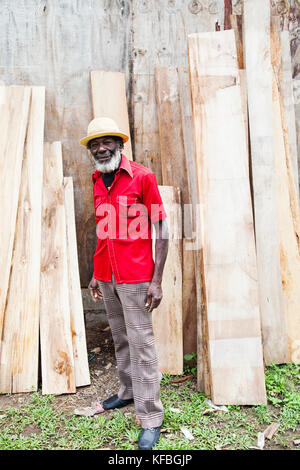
(87,139)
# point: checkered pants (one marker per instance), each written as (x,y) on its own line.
(132,332)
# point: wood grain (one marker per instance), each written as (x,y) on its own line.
(159,39)
(167,317)
(82,374)
(108,91)
(289,228)
(14,109)
(174,173)
(257,54)
(229,272)
(57,359)
(20,346)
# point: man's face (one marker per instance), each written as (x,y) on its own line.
(106,152)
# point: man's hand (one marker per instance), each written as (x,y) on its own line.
(94,290)
(154,296)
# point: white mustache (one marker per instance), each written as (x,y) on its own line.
(112,165)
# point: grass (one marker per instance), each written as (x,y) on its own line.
(40,425)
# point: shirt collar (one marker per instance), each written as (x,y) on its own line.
(124,165)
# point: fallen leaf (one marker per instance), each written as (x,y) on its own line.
(108,366)
(88,411)
(223,447)
(216,407)
(209,410)
(165,430)
(182,379)
(96,350)
(187,434)
(175,410)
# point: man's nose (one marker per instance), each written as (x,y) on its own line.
(101,148)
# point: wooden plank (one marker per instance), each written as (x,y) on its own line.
(82,374)
(174,173)
(167,317)
(55,325)
(286,91)
(236,23)
(256,26)
(20,346)
(289,228)
(229,269)
(109,99)
(14,109)
(159,39)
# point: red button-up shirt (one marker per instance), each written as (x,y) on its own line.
(123,214)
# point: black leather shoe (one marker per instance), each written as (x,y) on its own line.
(115,402)
(148,438)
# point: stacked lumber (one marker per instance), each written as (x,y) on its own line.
(240,214)
(39,284)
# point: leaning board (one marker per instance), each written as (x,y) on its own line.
(167,317)
(14,109)
(229,272)
(289,228)
(174,164)
(82,374)
(20,347)
(109,100)
(55,325)
(257,56)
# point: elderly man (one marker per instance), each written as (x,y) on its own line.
(127,203)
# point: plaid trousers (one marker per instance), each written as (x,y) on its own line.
(132,332)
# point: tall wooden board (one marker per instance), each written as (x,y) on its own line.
(256,30)
(109,100)
(229,271)
(19,349)
(57,359)
(289,230)
(167,317)
(175,173)
(82,374)
(286,91)
(14,109)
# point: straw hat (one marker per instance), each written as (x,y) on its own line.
(99,127)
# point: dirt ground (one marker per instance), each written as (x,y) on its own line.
(103,372)
(104,382)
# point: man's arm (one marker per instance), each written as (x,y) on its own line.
(155,294)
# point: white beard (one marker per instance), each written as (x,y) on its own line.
(112,165)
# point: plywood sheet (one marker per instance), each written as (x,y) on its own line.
(19,351)
(57,359)
(108,91)
(14,109)
(228,265)
(82,374)
(167,317)
(257,56)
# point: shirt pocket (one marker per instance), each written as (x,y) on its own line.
(129,206)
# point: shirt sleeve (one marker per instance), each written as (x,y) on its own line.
(152,198)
